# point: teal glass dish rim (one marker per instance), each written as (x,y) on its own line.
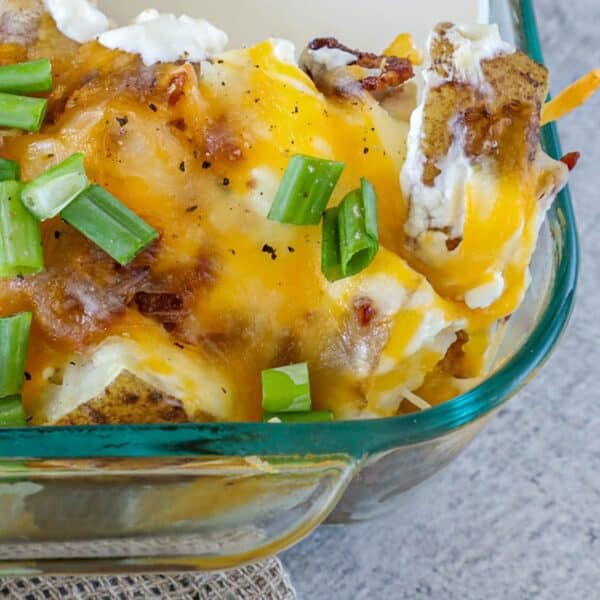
(355,438)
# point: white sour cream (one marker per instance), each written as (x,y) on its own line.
(79,20)
(160,37)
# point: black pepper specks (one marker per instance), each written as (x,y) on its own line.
(270,250)
(27,376)
(152,107)
(122,121)
(206,164)
(226,181)
(182,166)
(365,150)
(291,249)
(191,209)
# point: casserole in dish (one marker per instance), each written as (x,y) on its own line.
(212,495)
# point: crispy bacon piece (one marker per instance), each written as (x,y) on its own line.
(571,159)
(168,298)
(176,88)
(391,71)
(364,311)
(221,143)
(79,297)
(19,21)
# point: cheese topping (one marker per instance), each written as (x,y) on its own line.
(199,156)
(571,97)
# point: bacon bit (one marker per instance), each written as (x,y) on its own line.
(178,124)
(364,311)
(451,363)
(453,244)
(221,143)
(571,159)
(158,303)
(167,298)
(176,88)
(77,299)
(394,70)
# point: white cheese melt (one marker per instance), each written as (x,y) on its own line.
(79,20)
(161,37)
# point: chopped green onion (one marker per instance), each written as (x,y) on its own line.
(286,389)
(9,170)
(51,192)
(26,78)
(305,190)
(315,416)
(350,236)
(109,224)
(331,259)
(14,341)
(12,413)
(22,112)
(359,238)
(20,234)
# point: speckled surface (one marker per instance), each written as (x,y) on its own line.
(518,514)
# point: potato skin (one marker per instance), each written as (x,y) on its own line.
(127,400)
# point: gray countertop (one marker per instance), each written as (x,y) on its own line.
(517,515)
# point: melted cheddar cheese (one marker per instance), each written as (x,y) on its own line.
(198,151)
(199,156)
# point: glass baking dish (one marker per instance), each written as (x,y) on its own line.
(208,496)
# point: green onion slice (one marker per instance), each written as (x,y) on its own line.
(9,170)
(331,258)
(22,112)
(305,190)
(51,192)
(109,224)
(359,238)
(286,389)
(26,78)
(350,237)
(14,341)
(314,416)
(12,413)
(20,234)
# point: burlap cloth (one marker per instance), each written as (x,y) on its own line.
(263,581)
